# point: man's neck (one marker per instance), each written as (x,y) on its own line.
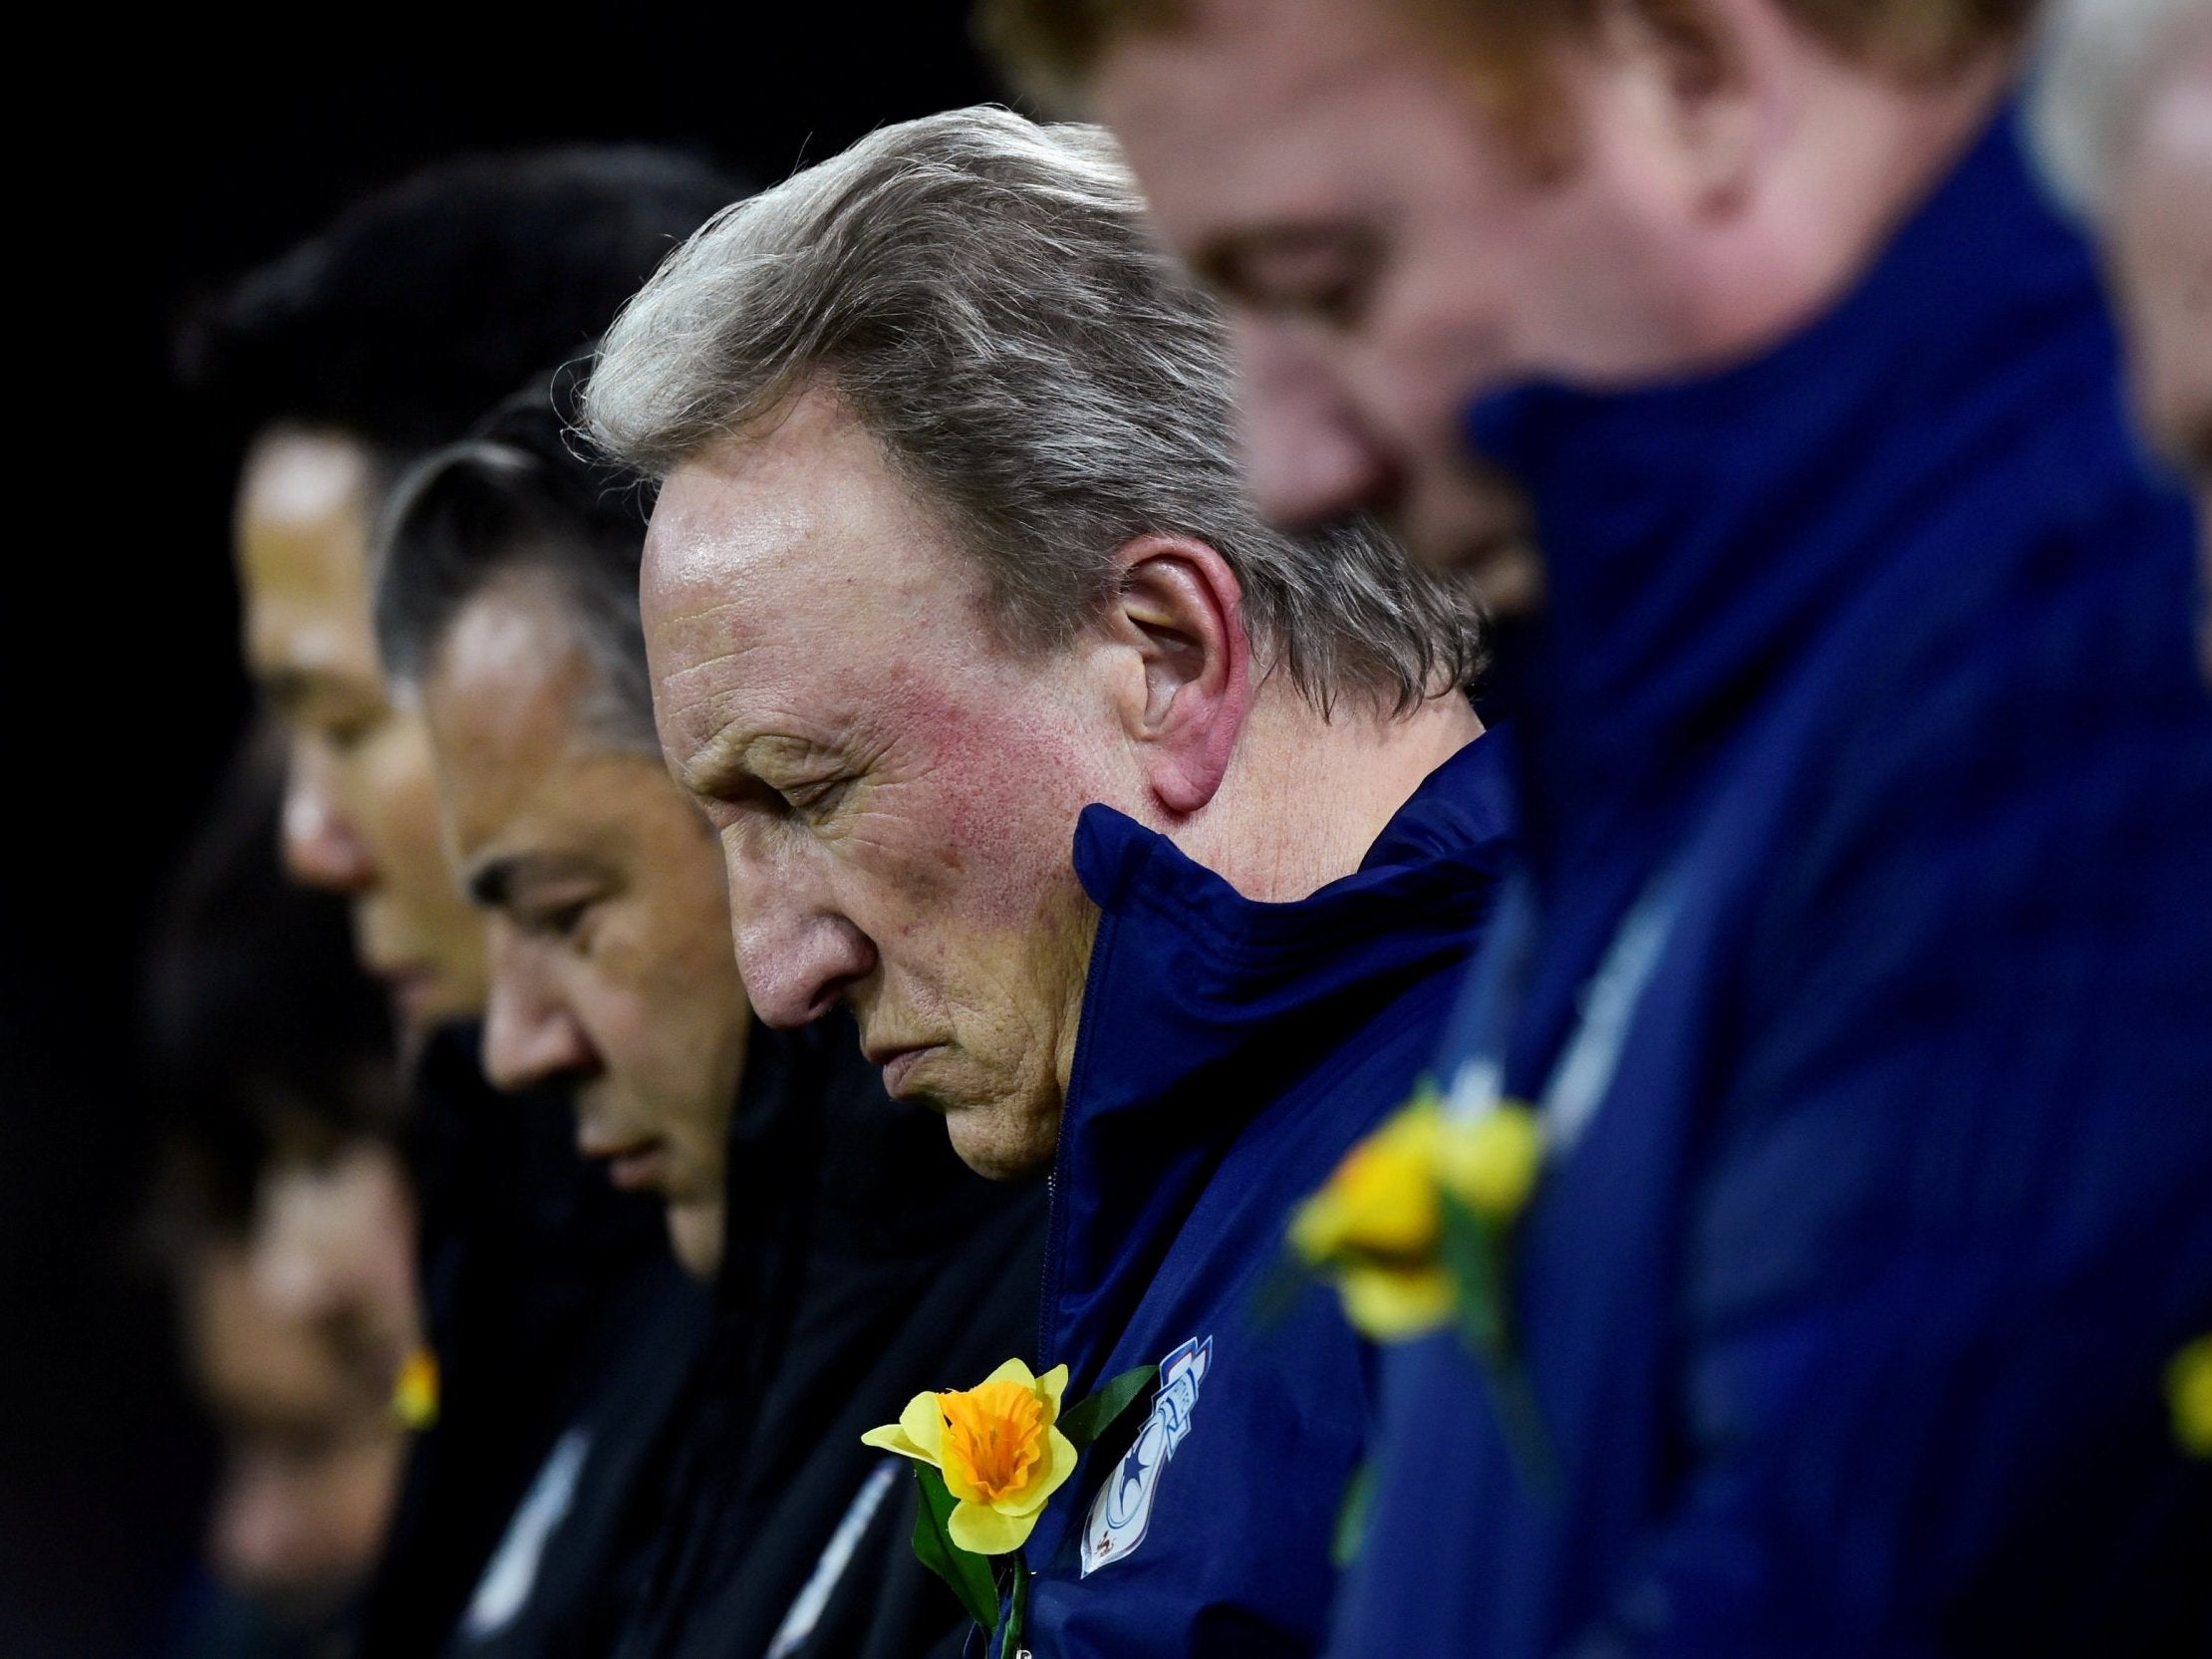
(1306,797)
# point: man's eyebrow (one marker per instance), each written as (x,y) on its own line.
(731,758)
(494,884)
(1221,259)
(716,764)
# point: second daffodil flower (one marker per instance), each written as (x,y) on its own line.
(1374,1228)
(1377,1227)
(998,1446)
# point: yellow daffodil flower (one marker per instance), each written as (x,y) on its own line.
(1377,1227)
(414,1395)
(2189,1391)
(1490,1163)
(996,1446)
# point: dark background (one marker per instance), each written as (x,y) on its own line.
(166,168)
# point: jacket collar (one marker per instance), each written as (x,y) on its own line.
(1189,975)
(1205,1010)
(1698,534)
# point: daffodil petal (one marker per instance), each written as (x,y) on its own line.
(1051,1386)
(1493,1163)
(891,1437)
(923,1422)
(1319,1228)
(1047,1478)
(1015,1370)
(982,1530)
(1392,1306)
(2189,1388)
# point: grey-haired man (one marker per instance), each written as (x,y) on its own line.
(950,569)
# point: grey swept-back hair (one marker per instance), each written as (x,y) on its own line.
(2094,61)
(986,296)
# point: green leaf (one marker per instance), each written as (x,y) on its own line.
(1085,1422)
(1470,1251)
(1351,1516)
(968,1574)
(1479,1256)
(1520,1419)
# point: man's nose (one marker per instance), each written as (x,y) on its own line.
(321,846)
(796,964)
(1306,458)
(530,1034)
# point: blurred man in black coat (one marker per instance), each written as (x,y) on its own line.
(858,1261)
(282,1218)
(547,1293)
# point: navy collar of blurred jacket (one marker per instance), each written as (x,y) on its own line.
(1203,1007)
(1700,537)
(1698,534)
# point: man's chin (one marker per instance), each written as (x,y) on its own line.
(696,1236)
(996,1144)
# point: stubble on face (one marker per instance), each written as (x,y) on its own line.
(895,790)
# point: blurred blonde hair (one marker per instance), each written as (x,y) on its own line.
(1050,47)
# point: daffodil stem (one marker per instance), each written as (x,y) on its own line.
(1520,1419)
(1018,1610)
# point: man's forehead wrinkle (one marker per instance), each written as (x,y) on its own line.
(723,695)
(768,742)
(745,686)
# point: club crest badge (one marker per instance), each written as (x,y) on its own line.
(1123,1508)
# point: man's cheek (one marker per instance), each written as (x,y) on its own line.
(969,849)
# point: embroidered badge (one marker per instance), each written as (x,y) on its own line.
(1123,1508)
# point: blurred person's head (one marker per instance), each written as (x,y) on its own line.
(951,544)
(285,1216)
(2124,120)
(509,609)
(1408,203)
(391,332)
(310,1449)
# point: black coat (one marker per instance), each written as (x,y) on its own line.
(862,1263)
(555,1311)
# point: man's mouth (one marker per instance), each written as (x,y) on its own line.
(634,1166)
(898,1065)
(412,990)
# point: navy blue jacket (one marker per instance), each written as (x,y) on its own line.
(1867,795)
(1229,1054)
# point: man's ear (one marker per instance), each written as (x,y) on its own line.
(1702,72)
(1182,684)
